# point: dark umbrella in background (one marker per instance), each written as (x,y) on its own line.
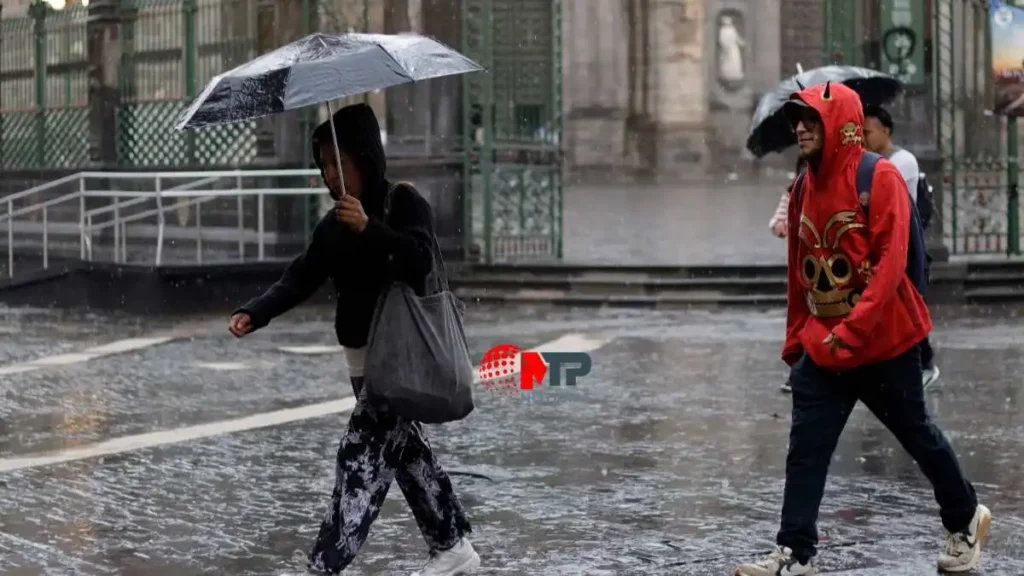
(317,69)
(769,129)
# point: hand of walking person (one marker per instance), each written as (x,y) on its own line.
(350,211)
(834,343)
(240,325)
(779,229)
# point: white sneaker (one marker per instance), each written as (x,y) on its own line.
(963,549)
(930,375)
(787,387)
(780,562)
(459,559)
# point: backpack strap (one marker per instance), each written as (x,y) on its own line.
(865,173)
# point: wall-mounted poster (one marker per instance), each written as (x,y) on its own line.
(1008,58)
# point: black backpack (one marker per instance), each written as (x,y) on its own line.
(917,258)
(925,200)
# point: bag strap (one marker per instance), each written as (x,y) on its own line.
(437,268)
(865,173)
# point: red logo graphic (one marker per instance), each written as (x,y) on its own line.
(502,363)
(499,369)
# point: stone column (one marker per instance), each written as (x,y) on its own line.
(680,91)
(103,30)
(407,107)
(598,84)
(290,132)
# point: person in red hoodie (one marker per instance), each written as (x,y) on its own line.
(853,327)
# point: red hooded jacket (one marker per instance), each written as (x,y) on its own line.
(847,272)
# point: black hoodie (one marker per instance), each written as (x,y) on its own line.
(360,265)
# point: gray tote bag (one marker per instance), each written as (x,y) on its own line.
(417,360)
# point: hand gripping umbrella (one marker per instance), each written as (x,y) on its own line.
(317,69)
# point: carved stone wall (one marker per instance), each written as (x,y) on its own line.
(666,87)
(742,47)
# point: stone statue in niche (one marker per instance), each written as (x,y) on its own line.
(731,46)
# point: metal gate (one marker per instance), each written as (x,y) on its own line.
(977,212)
(512,123)
(949,74)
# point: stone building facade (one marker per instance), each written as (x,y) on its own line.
(665,88)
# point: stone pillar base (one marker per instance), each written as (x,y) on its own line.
(681,150)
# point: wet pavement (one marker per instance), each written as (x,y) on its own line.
(666,459)
(714,222)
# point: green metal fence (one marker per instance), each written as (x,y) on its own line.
(977,214)
(952,67)
(169,50)
(44,88)
(512,119)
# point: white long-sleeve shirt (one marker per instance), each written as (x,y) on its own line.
(781,212)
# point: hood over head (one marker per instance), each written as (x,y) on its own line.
(842,117)
(359,139)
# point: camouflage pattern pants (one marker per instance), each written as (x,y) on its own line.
(376,449)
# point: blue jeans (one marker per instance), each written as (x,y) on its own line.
(822,403)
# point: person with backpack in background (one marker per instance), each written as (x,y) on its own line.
(878,129)
(779,225)
(854,320)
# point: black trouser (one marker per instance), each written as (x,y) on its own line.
(376,449)
(823,401)
(927,354)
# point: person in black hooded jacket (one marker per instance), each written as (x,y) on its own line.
(362,254)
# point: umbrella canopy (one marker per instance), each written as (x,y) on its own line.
(769,129)
(320,68)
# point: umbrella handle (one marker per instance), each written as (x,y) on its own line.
(337,152)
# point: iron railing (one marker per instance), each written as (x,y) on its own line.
(128,206)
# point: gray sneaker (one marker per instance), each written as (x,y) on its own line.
(962,551)
(780,562)
(930,375)
(461,559)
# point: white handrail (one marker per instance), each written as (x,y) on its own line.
(257,173)
(143,199)
(37,207)
(228,192)
(41,187)
(182,191)
(146,214)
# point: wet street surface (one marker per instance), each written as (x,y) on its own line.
(715,222)
(667,459)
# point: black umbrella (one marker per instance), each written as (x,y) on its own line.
(317,69)
(769,129)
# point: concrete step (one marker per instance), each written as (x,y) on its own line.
(994,294)
(688,300)
(623,285)
(999,282)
